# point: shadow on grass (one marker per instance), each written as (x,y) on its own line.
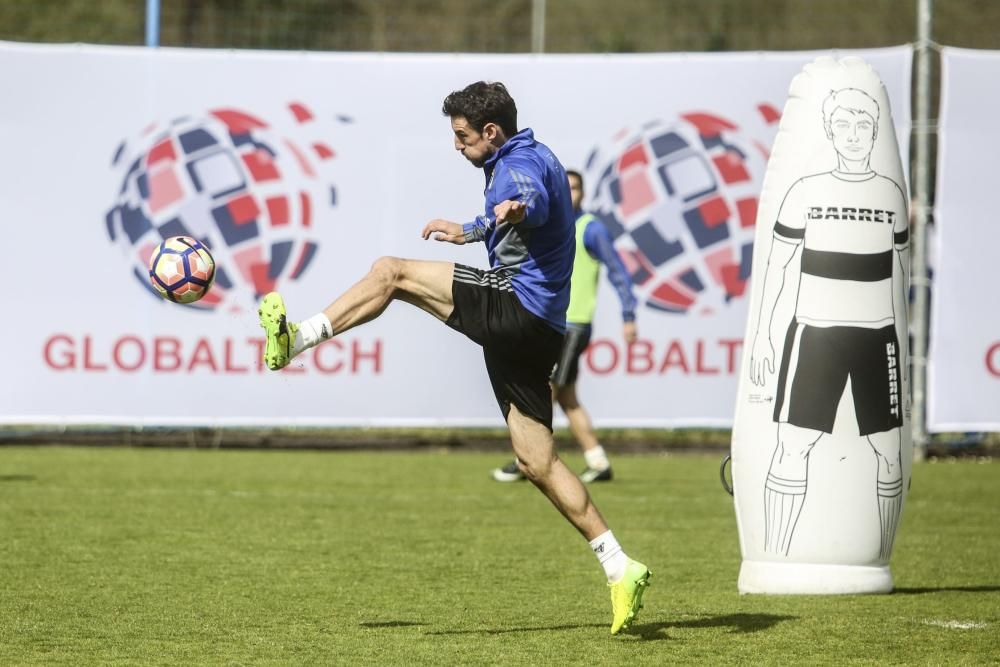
(17,478)
(649,631)
(736,623)
(946,589)
(503,631)
(388,624)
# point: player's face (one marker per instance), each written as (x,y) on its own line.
(575,192)
(477,147)
(853,133)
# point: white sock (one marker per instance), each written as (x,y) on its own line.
(597,458)
(311,333)
(610,554)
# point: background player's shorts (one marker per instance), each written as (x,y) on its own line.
(520,348)
(576,341)
(816,365)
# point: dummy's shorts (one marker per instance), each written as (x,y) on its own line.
(815,367)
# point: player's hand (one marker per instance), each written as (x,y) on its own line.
(761,360)
(630,332)
(443,230)
(509,210)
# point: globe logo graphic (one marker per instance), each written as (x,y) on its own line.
(253,194)
(680,199)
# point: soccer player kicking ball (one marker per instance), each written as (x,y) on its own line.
(516,310)
(594,246)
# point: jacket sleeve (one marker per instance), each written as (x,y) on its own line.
(476,230)
(521,181)
(601,246)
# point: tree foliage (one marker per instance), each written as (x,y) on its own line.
(503,26)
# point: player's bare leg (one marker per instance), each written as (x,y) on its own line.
(426,285)
(579,421)
(536,454)
(888,453)
(785,488)
(598,465)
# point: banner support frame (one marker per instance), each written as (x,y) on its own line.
(922,177)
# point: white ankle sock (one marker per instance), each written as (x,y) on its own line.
(610,554)
(597,458)
(311,333)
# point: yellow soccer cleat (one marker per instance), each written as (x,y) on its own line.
(279,331)
(626,595)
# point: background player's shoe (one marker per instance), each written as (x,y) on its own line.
(594,475)
(626,595)
(279,331)
(508,473)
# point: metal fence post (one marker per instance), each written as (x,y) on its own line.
(919,279)
(538,26)
(152,22)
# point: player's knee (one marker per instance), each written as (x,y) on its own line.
(537,468)
(388,269)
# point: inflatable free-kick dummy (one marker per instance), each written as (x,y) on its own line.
(821,445)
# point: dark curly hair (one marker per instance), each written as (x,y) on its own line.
(481,103)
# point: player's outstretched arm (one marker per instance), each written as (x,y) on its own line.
(444,230)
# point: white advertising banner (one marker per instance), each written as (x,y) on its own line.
(964,356)
(300,170)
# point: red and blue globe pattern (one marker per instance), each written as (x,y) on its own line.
(680,199)
(251,193)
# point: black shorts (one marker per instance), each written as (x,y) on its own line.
(815,367)
(568,367)
(520,348)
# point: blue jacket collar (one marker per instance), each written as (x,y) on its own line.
(524,138)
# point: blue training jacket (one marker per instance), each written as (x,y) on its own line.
(537,253)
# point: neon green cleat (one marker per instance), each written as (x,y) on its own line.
(280,332)
(626,595)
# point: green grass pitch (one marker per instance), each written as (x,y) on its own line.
(204,557)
